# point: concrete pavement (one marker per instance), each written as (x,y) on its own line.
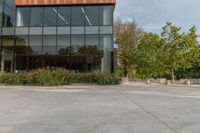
(100,109)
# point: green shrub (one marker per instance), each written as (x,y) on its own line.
(57,77)
(48,77)
(15,79)
(4,77)
(107,79)
(119,72)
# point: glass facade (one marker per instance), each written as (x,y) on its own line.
(77,38)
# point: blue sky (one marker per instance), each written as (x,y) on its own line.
(151,15)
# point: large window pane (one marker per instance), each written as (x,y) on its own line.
(64,14)
(78,16)
(23,15)
(36,16)
(1,12)
(63,61)
(7,53)
(106,15)
(77,45)
(92,15)
(21,45)
(106,44)
(9,13)
(34,62)
(49,61)
(50,16)
(92,44)
(63,45)
(8,44)
(35,44)
(21,63)
(49,45)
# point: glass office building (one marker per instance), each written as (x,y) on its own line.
(77,37)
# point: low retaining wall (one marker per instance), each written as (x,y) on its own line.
(165,81)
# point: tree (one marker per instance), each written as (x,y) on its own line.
(149,57)
(127,35)
(181,48)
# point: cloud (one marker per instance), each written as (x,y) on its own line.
(153,14)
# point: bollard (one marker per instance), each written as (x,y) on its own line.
(168,82)
(188,82)
(148,81)
(125,81)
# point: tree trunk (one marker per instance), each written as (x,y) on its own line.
(173,77)
(125,71)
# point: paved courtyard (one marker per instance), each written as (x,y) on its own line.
(100,109)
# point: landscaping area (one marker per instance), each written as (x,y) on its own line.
(57,77)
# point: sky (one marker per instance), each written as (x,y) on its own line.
(152,15)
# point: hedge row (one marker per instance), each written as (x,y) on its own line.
(57,77)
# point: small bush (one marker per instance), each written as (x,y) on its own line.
(4,77)
(48,77)
(15,79)
(107,79)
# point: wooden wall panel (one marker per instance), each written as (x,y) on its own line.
(61,2)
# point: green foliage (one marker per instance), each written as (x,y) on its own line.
(119,71)
(48,77)
(15,79)
(173,53)
(57,77)
(107,79)
(4,77)
(149,57)
(181,48)
(127,36)
(96,77)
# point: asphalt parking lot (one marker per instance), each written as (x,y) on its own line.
(100,109)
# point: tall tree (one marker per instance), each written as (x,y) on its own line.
(127,35)
(149,58)
(181,48)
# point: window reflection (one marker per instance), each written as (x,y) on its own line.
(1,12)
(36,16)
(77,45)
(92,53)
(23,17)
(21,63)
(7,53)
(49,45)
(106,46)
(64,14)
(8,44)
(106,15)
(63,45)
(34,62)
(50,16)
(9,13)
(21,45)
(35,44)
(91,15)
(92,45)
(63,62)
(78,16)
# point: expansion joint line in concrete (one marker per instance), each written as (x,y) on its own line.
(148,112)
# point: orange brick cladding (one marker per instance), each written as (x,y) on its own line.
(62,2)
